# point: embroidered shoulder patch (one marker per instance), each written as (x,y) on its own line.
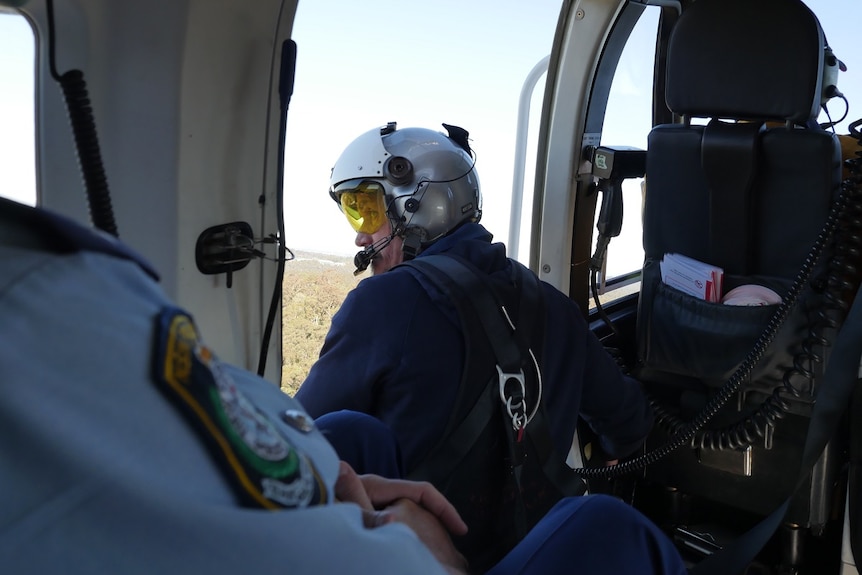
(266,469)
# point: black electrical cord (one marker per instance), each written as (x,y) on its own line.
(285,91)
(86,139)
(685,433)
(595,267)
(836,289)
(830,125)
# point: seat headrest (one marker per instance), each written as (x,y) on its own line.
(746,59)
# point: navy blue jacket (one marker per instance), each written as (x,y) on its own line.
(395,351)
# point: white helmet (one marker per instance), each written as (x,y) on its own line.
(424,181)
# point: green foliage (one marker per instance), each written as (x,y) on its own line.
(313,292)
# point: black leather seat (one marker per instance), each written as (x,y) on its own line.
(745,181)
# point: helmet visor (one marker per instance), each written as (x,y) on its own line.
(364,206)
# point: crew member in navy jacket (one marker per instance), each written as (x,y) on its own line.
(396,348)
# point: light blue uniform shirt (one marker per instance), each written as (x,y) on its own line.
(102,473)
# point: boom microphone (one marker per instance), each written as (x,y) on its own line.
(363,259)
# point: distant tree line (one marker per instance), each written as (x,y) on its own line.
(312,295)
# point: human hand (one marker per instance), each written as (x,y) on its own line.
(416,504)
(428,528)
(372,492)
(349,488)
(383,492)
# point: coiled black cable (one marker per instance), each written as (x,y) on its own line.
(86,139)
(686,433)
(837,290)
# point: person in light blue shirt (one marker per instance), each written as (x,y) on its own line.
(128,447)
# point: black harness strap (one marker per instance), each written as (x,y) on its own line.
(559,474)
(729,157)
(457,439)
(511,349)
(453,276)
(483,300)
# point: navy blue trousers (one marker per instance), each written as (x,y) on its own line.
(587,535)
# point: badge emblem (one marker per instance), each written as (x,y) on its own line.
(267,470)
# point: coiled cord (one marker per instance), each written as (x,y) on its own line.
(86,139)
(775,407)
(798,380)
(837,290)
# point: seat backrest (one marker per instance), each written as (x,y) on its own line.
(745,182)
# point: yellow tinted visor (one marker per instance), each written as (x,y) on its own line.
(364,207)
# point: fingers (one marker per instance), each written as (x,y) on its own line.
(382,492)
(430,530)
(350,489)
(373,519)
(439,506)
(372,492)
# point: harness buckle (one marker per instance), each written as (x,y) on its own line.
(516,404)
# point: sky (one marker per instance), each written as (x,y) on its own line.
(419,64)
(17,134)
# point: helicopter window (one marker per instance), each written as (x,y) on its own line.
(17,138)
(839,20)
(470,76)
(418,64)
(627,122)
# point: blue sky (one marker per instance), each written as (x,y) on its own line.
(17,136)
(418,64)
(421,64)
